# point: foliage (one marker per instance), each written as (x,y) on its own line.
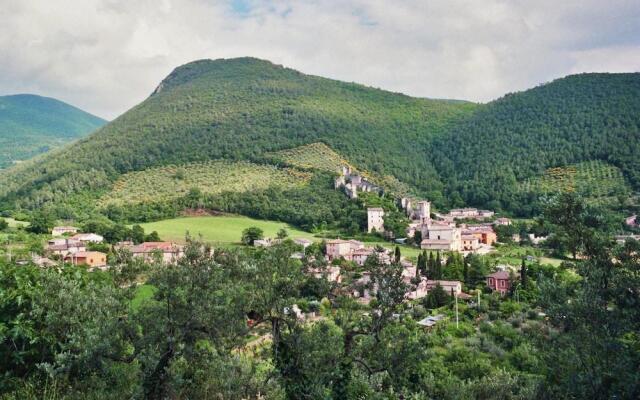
(586,117)
(596,352)
(239,110)
(251,234)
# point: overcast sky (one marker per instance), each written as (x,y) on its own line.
(105,56)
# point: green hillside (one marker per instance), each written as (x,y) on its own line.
(240,109)
(454,153)
(30,125)
(518,137)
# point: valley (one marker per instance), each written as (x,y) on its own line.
(250,231)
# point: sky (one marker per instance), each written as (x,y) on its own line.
(106,56)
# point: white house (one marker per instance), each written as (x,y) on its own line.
(375,219)
(61,230)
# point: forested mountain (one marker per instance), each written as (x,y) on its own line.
(240,109)
(31,125)
(571,120)
(500,155)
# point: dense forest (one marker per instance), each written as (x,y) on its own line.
(501,155)
(30,125)
(570,120)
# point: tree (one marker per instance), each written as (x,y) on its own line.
(251,234)
(137,234)
(180,329)
(568,213)
(437,297)
(41,222)
(417,237)
(152,237)
(282,234)
(597,353)
(421,265)
(3,224)
(523,274)
(397,255)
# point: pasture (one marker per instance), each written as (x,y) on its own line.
(220,230)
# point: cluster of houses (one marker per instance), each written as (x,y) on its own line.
(444,234)
(355,251)
(352,182)
(440,234)
(70,246)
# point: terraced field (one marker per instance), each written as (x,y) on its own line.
(596,180)
(316,156)
(171,182)
(319,156)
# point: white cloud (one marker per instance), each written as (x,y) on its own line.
(107,55)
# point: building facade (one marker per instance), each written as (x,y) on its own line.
(375,219)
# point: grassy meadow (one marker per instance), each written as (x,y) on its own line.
(14,223)
(221,230)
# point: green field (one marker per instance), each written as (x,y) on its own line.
(222,230)
(409,252)
(171,182)
(15,224)
(513,255)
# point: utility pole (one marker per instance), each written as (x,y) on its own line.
(478,298)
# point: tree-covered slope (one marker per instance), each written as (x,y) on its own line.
(571,120)
(240,109)
(31,124)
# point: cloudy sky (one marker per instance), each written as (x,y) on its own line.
(108,55)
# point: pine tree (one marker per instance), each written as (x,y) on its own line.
(523,274)
(397,255)
(431,266)
(437,270)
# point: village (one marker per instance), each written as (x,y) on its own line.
(460,231)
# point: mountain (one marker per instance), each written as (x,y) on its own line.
(242,109)
(30,125)
(580,133)
(587,117)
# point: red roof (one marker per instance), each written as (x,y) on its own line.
(147,247)
(499,275)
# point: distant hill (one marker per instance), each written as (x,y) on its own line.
(30,125)
(502,155)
